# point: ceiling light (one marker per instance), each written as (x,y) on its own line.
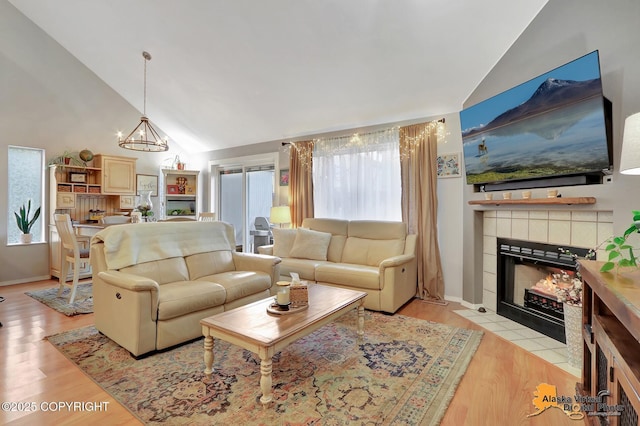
(144,137)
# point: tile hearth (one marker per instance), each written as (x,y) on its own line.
(536,343)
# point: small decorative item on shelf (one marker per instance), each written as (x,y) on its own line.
(181,181)
(85,155)
(173,189)
(177,164)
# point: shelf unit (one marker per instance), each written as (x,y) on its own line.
(611,337)
(537,201)
(107,184)
(179,194)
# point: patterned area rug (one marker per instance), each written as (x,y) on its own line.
(83,304)
(405,371)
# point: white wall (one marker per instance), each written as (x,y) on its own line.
(50,100)
(565,30)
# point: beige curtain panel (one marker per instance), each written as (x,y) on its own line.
(300,182)
(418,151)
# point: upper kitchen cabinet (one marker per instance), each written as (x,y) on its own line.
(118,174)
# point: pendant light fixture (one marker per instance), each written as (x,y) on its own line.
(144,137)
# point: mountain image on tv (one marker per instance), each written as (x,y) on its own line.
(549,126)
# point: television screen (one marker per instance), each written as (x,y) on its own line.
(552,125)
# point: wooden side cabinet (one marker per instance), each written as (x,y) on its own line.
(611,335)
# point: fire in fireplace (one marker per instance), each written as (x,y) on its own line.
(528,275)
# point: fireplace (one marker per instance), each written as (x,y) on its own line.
(526,280)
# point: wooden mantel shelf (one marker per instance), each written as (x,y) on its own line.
(554,201)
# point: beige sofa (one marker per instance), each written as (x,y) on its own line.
(373,256)
(154,282)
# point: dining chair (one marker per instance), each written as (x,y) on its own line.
(72,253)
(207,217)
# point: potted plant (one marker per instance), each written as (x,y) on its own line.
(24,223)
(66,158)
(620,251)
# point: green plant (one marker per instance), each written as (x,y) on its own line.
(71,157)
(620,252)
(23,221)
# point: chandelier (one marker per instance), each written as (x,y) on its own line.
(144,137)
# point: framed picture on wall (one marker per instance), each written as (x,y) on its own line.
(448,165)
(284,177)
(147,183)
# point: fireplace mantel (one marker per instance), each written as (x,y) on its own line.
(538,201)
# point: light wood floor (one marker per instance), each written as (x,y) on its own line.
(497,388)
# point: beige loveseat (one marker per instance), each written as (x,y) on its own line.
(154,282)
(373,256)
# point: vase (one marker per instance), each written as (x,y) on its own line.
(573,334)
(26,238)
(145,203)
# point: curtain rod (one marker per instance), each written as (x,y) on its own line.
(442,120)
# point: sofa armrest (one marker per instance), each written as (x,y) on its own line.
(395,270)
(266,249)
(396,261)
(258,262)
(129,281)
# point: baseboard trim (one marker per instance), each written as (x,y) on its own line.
(25,280)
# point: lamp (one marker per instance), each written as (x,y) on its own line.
(630,158)
(280,215)
(147,137)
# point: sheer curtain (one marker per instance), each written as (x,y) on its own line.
(358,177)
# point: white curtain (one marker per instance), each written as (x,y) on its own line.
(358,177)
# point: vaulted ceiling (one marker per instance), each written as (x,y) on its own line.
(226,73)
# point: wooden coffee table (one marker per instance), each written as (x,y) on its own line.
(253,328)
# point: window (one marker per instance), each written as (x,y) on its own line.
(358,177)
(26,182)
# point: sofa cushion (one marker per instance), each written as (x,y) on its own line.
(161,271)
(214,262)
(283,241)
(305,268)
(338,229)
(239,284)
(184,297)
(363,251)
(310,244)
(359,276)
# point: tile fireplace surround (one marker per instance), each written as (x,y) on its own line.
(576,228)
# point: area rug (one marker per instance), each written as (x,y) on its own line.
(404,372)
(83,303)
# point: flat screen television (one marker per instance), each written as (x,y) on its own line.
(552,126)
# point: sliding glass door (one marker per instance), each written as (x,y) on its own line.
(246,192)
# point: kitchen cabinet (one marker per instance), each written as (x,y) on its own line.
(118,174)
